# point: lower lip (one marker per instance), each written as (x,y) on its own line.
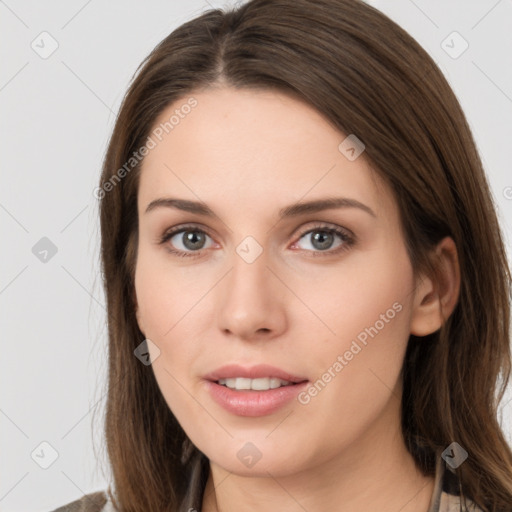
(253,403)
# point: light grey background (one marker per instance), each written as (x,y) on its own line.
(57,115)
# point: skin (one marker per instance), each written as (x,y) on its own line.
(247,154)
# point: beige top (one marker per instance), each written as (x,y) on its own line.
(445,497)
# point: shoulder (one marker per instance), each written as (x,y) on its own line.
(93,502)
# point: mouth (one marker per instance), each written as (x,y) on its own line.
(259,384)
(261,377)
(253,391)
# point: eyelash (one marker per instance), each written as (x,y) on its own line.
(347,237)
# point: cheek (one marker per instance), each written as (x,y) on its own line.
(162,314)
(372,289)
(357,370)
(169,306)
(163,298)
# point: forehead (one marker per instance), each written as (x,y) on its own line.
(250,147)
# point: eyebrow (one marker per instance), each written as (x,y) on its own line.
(293,210)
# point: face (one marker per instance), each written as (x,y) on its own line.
(239,272)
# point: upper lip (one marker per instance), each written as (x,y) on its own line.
(252,372)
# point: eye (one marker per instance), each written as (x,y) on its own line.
(186,241)
(322,239)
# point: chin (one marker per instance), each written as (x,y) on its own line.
(259,458)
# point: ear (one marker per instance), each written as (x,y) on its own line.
(435,297)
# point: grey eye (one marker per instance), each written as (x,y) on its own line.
(191,240)
(321,239)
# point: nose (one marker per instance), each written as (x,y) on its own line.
(251,301)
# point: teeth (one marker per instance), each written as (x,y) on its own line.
(275,383)
(241,383)
(260,384)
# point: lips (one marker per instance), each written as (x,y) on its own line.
(253,402)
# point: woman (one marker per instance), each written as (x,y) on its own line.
(307,288)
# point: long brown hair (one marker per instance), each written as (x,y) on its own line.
(368,77)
